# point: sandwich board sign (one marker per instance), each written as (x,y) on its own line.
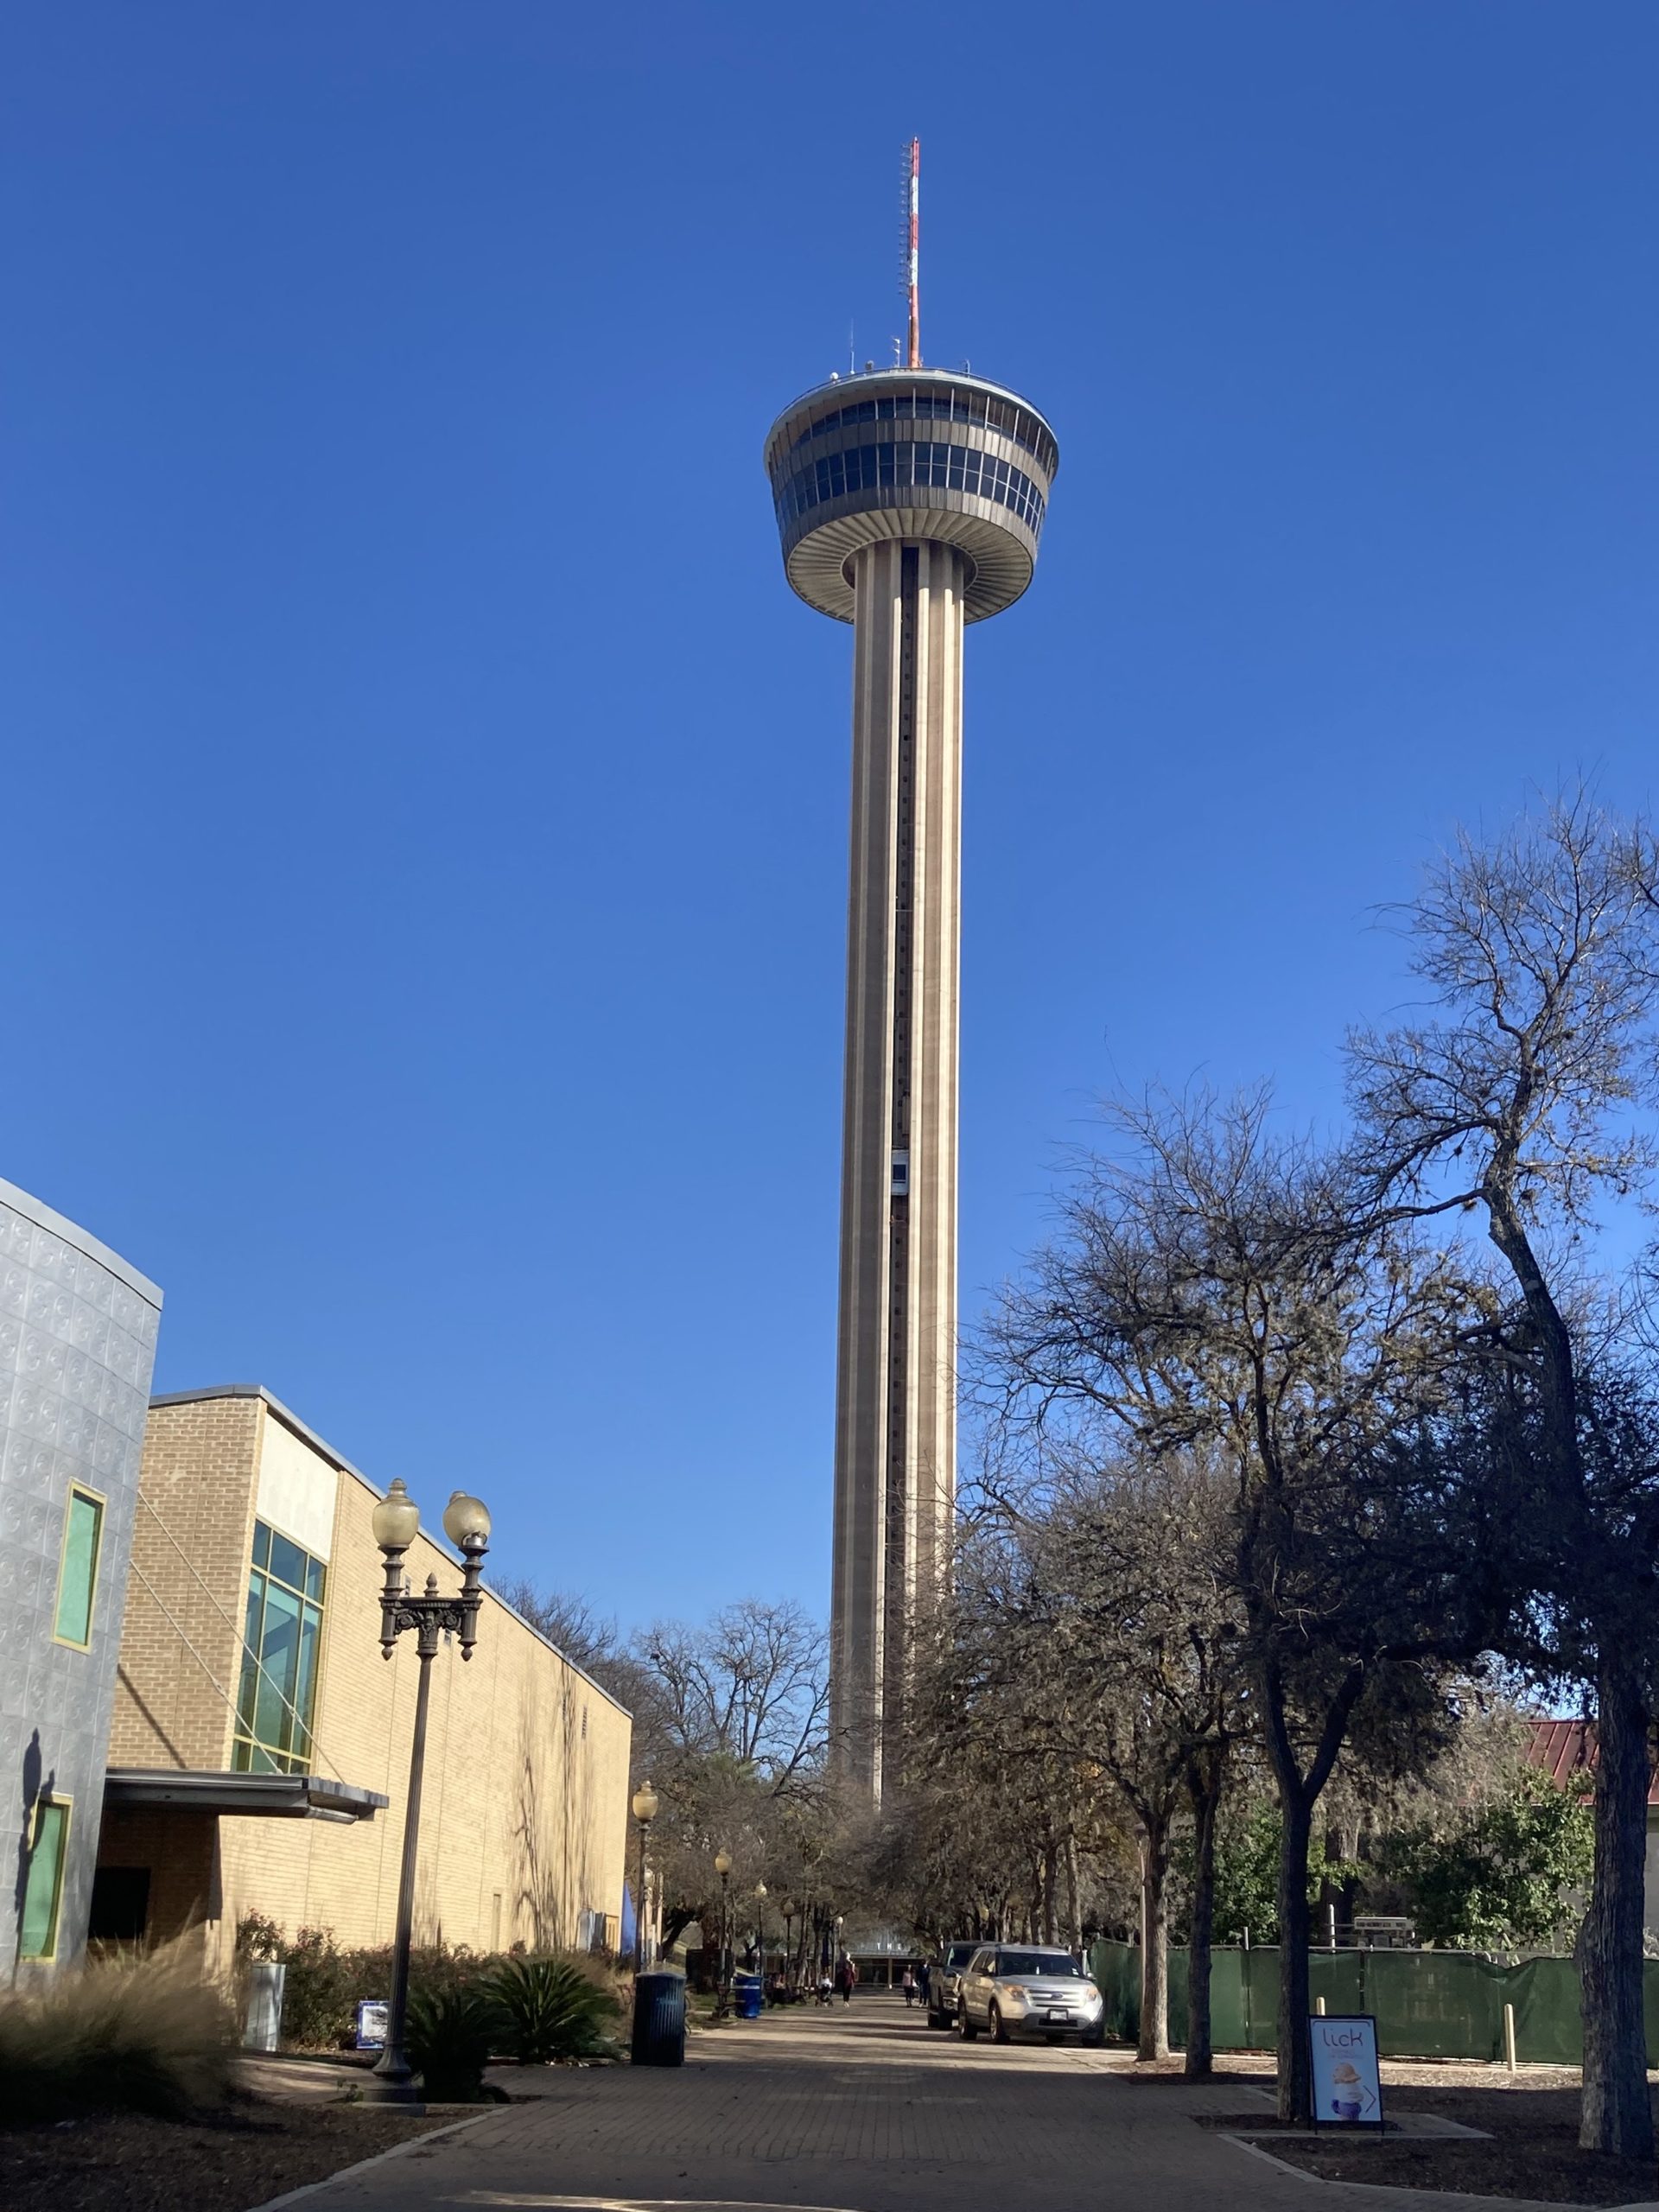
(1347,2087)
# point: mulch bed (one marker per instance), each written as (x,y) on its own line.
(121,2161)
(1534,2150)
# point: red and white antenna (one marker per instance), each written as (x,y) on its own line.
(912,243)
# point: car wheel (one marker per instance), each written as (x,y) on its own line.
(965,2027)
(1094,2038)
(999,2033)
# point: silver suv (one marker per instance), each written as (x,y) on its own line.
(945,1981)
(1020,1989)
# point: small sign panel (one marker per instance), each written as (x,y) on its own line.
(1347,2085)
(371,2023)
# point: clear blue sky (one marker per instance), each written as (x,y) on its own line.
(425,803)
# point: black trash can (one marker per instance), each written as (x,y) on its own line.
(658,2019)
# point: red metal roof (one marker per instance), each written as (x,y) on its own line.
(1565,1749)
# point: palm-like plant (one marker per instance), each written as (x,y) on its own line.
(454,2028)
(550,2009)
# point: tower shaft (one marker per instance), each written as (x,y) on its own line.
(896,1431)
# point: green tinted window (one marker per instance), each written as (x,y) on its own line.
(78,1577)
(281,1638)
(44,1886)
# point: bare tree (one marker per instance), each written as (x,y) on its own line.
(1001,1826)
(1514,1102)
(751,1685)
(584,1634)
(1127,1642)
(1212,1291)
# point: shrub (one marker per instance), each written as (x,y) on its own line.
(550,2009)
(453,2030)
(324,1982)
(136,2031)
(1501,1876)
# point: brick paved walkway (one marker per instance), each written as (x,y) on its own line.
(865,2110)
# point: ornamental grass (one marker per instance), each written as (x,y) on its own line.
(135,2031)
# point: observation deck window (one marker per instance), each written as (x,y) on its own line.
(978,408)
(908,462)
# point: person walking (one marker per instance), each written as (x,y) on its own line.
(846,1978)
(908,1985)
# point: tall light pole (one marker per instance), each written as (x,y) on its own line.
(760,1931)
(396,1522)
(789,1943)
(723,1868)
(644,1811)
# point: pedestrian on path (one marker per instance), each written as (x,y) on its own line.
(908,1985)
(846,1978)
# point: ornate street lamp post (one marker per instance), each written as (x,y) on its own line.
(723,1868)
(761,1935)
(397,1522)
(644,1811)
(789,1943)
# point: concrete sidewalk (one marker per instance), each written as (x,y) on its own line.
(862,2109)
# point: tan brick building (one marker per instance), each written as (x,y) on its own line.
(259,1751)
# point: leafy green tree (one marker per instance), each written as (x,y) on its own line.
(1509,1873)
(1247,1876)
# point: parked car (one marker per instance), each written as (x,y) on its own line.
(944,1980)
(1030,1990)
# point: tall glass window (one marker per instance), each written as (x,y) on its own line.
(281,1639)
(37,1938)
(83,1534)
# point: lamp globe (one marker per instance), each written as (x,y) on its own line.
(466,1522)
(396,1520)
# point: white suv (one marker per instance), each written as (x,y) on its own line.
(1017,1989)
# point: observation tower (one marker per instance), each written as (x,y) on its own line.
(910,502)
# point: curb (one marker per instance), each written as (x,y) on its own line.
(362,2166)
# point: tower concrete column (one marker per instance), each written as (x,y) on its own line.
(896,1431)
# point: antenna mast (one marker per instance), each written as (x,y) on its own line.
(913,210)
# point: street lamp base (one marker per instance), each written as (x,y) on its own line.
(407,2096)
(393,2080)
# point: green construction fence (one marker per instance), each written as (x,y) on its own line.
(1427,2003)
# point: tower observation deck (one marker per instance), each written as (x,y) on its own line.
(910,503)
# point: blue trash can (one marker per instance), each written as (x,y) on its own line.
(658,2020)
(747,1993)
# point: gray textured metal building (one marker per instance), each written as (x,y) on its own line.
(910,502)
(77,1330)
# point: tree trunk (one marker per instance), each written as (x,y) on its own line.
(1616,2115)
(1204,1785)
(1295,2063)
(1073,1892)
(1154,1944)
(1050,1869)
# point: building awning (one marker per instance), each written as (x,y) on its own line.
(260,1797)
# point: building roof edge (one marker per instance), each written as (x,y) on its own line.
(48,1218)
(319,1445)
